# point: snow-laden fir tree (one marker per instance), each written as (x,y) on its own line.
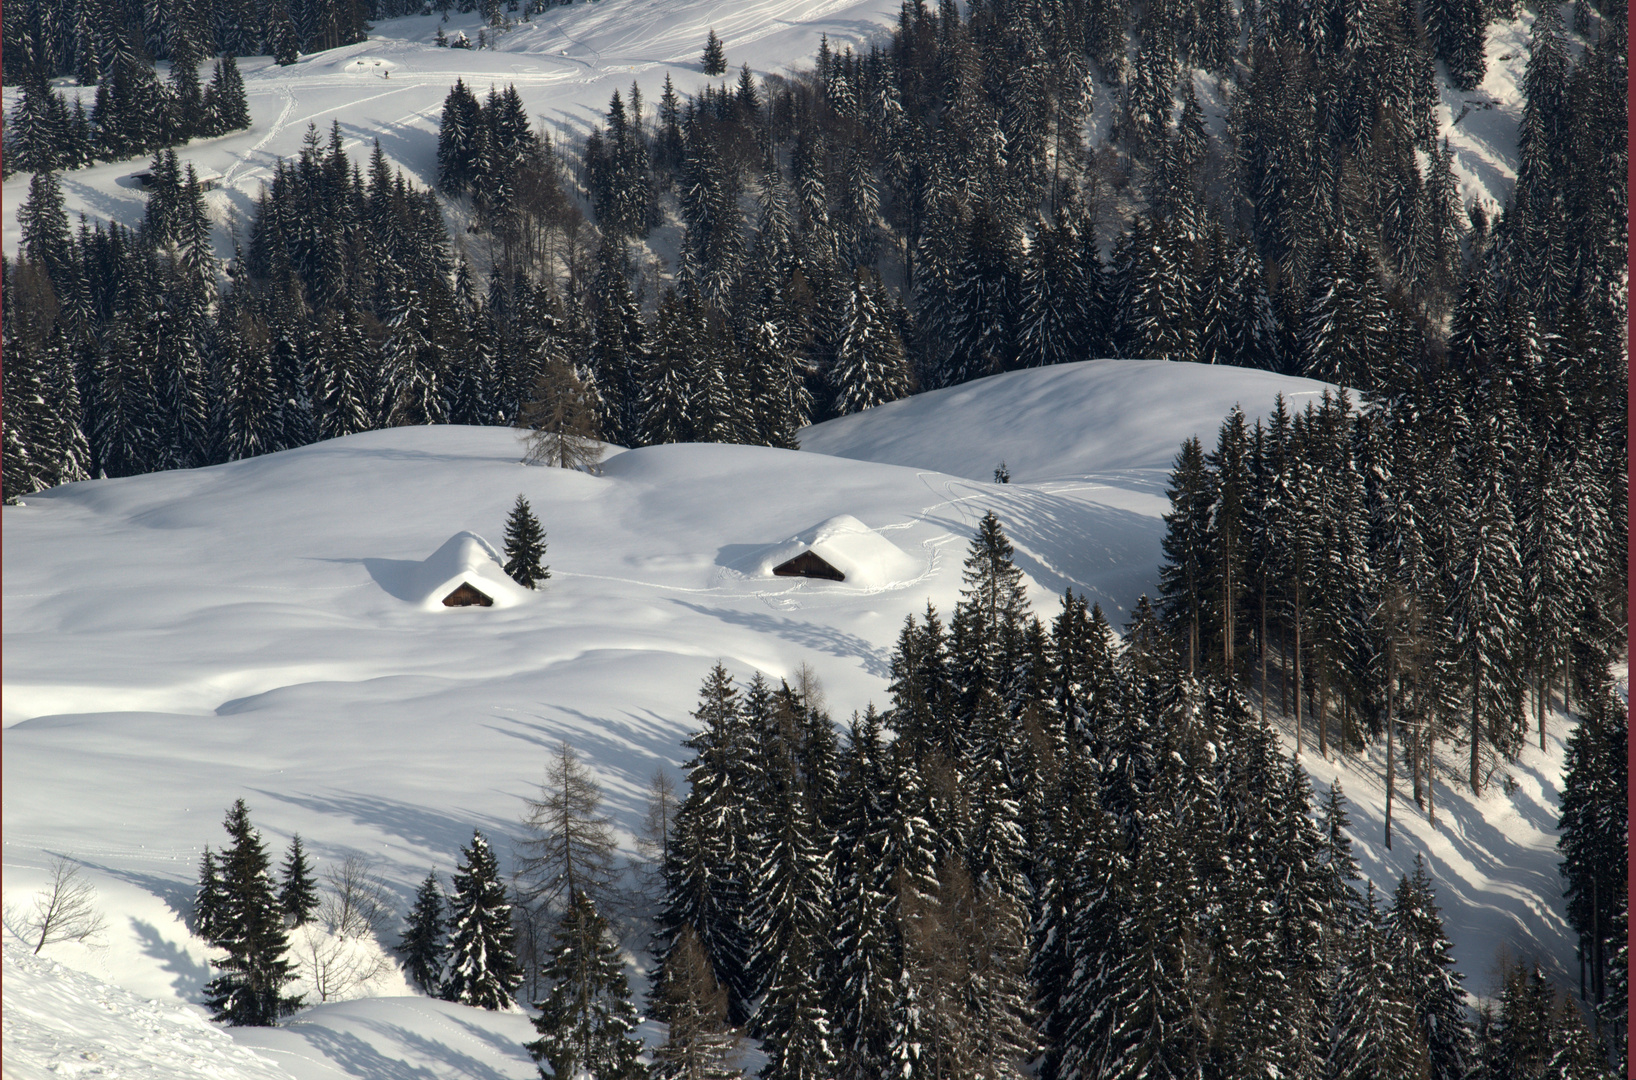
(207,899)
(1374,1034)
(525,546)
(587,1023)
(869,368)
(249,928)
(422,942)
(482,969)
(1415,935)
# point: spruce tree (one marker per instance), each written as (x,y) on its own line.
(1422,956)
(587,1023)
(422,943)
(482,949)
(298,894)
(248,992)
(208,900)
(869,367)
(714,60)
(525,546)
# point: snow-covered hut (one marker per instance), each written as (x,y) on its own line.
(465,572)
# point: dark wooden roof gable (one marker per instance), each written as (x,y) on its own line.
(467,595)
(808,564)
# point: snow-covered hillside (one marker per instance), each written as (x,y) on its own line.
(177,640)
(567,62)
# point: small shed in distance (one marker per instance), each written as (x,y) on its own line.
(807,564)
(468,595)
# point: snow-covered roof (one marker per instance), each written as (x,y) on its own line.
(867,558)
(464,557)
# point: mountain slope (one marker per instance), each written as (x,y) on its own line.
(178,640)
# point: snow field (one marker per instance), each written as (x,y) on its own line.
(178,640)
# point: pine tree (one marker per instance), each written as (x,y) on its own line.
(1375,1034)
(869,367)
(482,950)
(250,928)
(525,547)
(587,1024)
(1187,548)
(1594,843)
(208,900)
(714,60)
(1415,931)
(298,894)
(422,943)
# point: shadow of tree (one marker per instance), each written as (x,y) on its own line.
(825,639)
(188,975)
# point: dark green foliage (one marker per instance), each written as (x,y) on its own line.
(249,927)
(525,546)
(482,966)
(714,60)
(208,901)
(1594,844)
(298,892)
(587,1023)
(422,944)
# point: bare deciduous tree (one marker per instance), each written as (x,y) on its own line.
(356,904)
(561,421)
(570,846)
(65,911)
(336,965)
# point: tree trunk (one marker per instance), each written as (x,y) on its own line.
(1476,715)
(1539,704)
(1391,759)
(1262,643)
(1298,671)
(1431,777)
(1321,712)
(1283,670)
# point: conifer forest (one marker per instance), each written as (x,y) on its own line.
(1060,848)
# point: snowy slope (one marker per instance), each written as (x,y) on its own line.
(174,641)
(567,63)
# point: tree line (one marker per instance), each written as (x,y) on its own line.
(91,40)
(133,115)
(911,217)
(1434,564)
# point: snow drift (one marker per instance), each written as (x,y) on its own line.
(868,559)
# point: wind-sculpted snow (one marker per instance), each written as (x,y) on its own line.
(1119,421)
(178,640)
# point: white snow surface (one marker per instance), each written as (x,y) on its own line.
(866,556)
(464,559)
(174,641)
